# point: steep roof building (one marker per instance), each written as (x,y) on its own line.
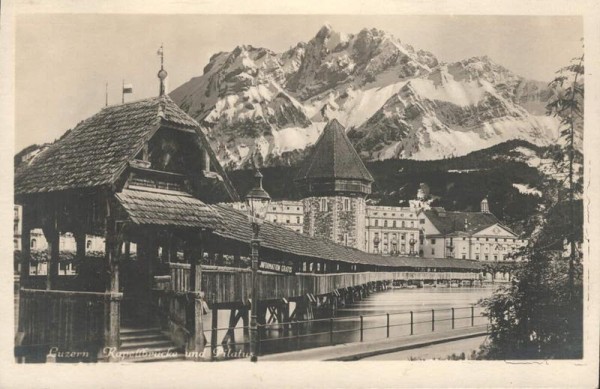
(334,182)
(334,167)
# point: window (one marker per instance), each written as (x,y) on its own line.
(496,239)
(487,239)
(33,243)
(394,224)
(274,208)
(432,251)
(274,220)
(16,244)
(464,238)
(412,224)
(385,223)
(403,248)
(376,222)
(297,208)
(297,219)
(88,244)
(287,208)
(486,257)
(432,241)
(422,221)
(304,266)
(495,257)
(403,224)
(403,236)
(464,256)
(288,221)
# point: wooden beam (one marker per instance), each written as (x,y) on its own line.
(213,331)
(193,253)
(25,242)
(52,235)
(113,240)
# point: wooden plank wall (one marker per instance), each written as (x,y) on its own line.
(67,320)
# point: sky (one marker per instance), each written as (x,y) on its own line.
(63,61)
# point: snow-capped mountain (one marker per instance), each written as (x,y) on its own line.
(395,101)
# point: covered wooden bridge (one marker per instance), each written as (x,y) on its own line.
(143,173)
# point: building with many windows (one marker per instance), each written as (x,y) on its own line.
(392,230)
(288,213)
(467,235)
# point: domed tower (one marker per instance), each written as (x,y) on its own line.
(334,183)
(484,205)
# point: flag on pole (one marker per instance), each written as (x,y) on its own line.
(127,88)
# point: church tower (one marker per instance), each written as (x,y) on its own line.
(334,183)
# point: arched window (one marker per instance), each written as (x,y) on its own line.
(33,243)
(385,223)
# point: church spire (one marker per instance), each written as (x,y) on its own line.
(162,73)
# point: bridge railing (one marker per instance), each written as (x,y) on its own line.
(223,285)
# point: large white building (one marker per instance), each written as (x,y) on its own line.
(467,235)
(392,230)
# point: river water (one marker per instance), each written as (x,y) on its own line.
(398,303)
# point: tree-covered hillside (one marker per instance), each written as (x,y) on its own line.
(459,183)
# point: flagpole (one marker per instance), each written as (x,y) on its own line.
(106,96)
(123,92)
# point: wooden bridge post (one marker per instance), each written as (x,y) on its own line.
(213,331)
(25,244)
(196,342)
(52,235)
(113,241)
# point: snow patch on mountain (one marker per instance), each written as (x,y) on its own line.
(526,189)
(395,101)
(294,138)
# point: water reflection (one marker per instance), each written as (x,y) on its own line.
(398,303)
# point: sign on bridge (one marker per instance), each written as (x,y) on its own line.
(275,267)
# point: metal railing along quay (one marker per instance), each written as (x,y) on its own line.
(303,334)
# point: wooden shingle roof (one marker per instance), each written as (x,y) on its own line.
(334,157)
(237,227)
(163,208)
(98,149)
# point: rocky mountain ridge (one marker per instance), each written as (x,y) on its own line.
(395,101)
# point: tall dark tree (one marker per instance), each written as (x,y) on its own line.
(540,314)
